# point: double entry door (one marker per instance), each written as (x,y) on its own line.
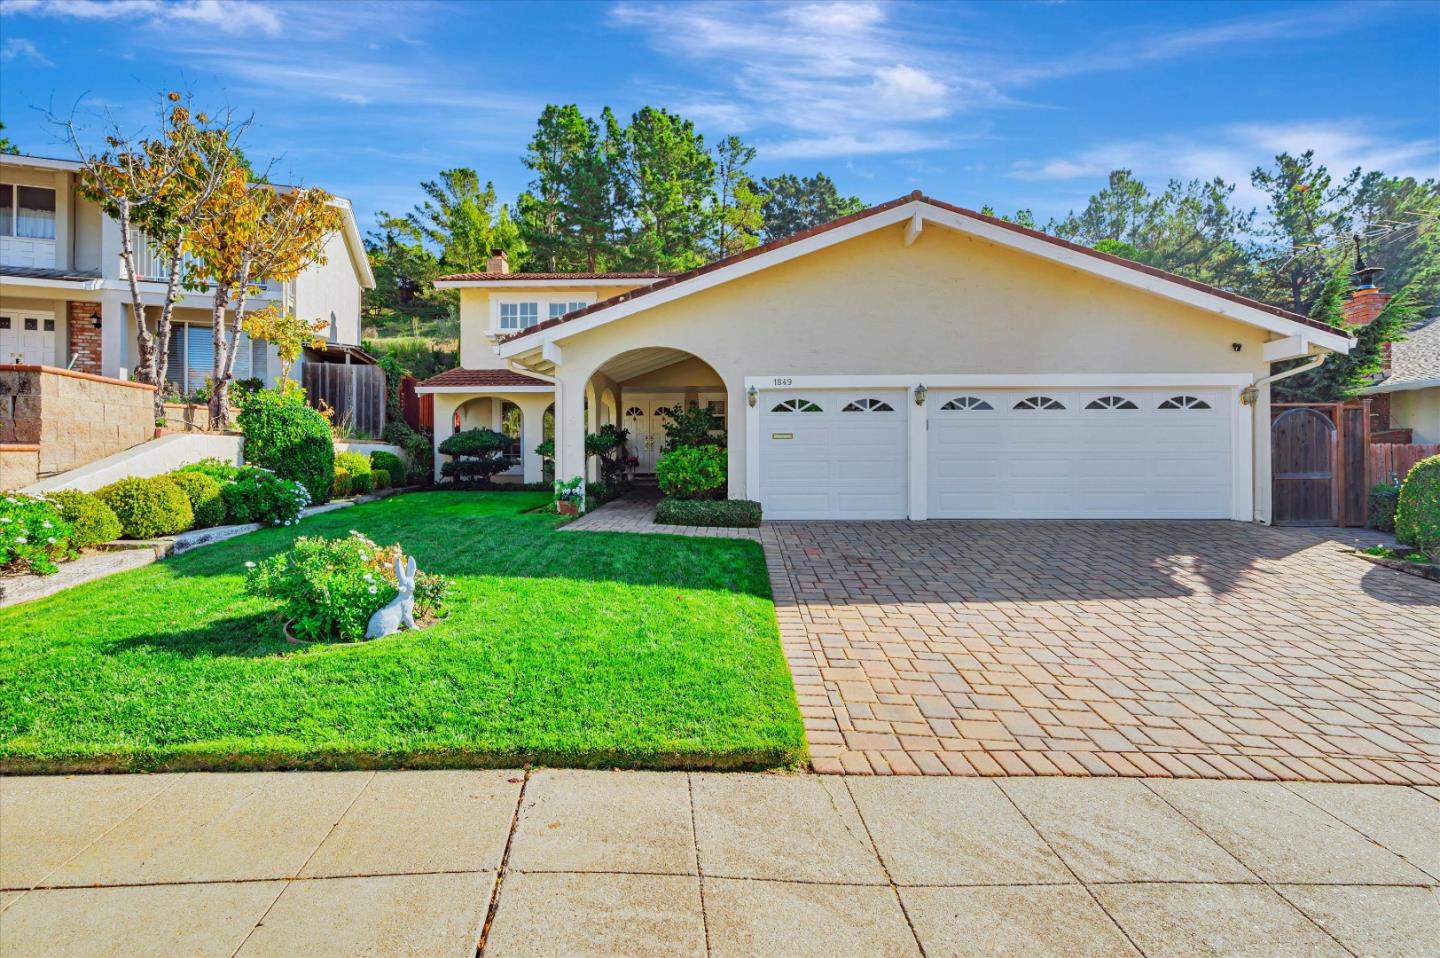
(645,418)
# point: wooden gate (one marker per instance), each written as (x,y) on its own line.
(1318,461)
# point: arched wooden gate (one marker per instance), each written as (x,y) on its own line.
(1317,463)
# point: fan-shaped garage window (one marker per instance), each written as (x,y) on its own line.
(1039,402)
(962,403)
(1184,402)
(635,412)
(868,405)
(797,405)
(1111,402)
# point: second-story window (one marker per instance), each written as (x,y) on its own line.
(559,308)
(515,316)
(27,212)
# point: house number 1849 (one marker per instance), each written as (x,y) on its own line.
(782,382)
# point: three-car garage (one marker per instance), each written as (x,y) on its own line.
(1102,450)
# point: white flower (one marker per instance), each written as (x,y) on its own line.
(21,540)
(249,565)
(369,577)
(5,518)
(51,540)
(45,524)
(373,590)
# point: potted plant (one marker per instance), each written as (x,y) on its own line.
(569,496)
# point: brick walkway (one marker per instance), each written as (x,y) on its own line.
(1184,649)
(635,512)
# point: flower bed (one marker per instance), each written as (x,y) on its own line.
(1402,559)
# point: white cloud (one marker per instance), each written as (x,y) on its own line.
(227,16)
(822,79)
(16,48)
(1232,151)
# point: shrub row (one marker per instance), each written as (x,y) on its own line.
(723,513)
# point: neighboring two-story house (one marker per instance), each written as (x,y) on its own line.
(65,301)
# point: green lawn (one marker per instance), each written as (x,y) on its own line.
(578,649)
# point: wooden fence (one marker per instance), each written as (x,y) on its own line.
(419,410)
(1395,459)
(355,392)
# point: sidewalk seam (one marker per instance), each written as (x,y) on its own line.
(699,868)
(503,870)
(889,879)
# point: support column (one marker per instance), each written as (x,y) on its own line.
(736,406)
(592,424)
(445,405)
(114,335)
(532,433)
(569,429)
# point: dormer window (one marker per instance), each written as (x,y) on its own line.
(27,212)
(517,316)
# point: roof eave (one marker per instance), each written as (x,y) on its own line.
(1404,385)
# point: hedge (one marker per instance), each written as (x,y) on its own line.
(91,521)
(149,507)
(382,461)
(1384,497)
(204,495)
(1417,516)
(723,513)
(289,438)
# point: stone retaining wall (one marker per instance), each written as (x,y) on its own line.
(74,417)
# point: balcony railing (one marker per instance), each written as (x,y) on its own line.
(152,263)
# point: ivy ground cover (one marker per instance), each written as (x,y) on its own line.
(572,649)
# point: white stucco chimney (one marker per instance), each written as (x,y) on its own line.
(498,262)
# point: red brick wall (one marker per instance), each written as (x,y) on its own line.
(84,329)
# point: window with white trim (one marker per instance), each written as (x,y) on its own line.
(559,308)
(868,405)
(192,357)
(1039,402)
(797,405)
(515,316)
(1111,402)
(1184,402)
(963,403)
(27,212)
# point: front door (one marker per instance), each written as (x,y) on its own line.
(645,419)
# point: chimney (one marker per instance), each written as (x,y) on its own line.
(498,262)
(1366,301)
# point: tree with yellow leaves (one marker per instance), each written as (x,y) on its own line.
(288,332)
(258,233)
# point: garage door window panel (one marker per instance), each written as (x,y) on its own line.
(1111,402)
(797,405)
(1184,402)
(965,404)
(1047,403)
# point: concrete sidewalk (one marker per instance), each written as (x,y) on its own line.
(640,863)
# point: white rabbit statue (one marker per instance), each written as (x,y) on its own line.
(398,610)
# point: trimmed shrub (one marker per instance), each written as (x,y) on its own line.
(258,495)
(382,479)
(357,463)
(340,488)
(291,439)
(478,454)
(1417,514)
(692,472)
(148,507)
(362,483)
(204,495)
(724,513)
(33,537)
(387,462)
(217,469)
(1384,497)
(91,521)
(418,450)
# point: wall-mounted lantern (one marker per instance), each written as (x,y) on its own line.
(920,394)
(752,395)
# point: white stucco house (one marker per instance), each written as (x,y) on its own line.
(915,360)
(65,302)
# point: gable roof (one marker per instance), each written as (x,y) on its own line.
(1414,361)
(918,209)
(481,379)
(459,279)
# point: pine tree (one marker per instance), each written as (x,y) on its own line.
(736,212)
(792,204)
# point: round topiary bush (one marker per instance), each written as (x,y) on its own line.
(291,439)
(478,454)
(358,465)
(382,479)
(149,507)
(692,472)
(91,521)
(340,488)
(388,462)
(204,495)
(1417,516)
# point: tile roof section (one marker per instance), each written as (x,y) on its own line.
(578,277)
(483,379)
(917,196)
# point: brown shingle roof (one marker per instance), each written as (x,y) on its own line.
(566,277)
(483,378)
(1416,358)
(913,197)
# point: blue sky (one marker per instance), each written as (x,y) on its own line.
(1012,104)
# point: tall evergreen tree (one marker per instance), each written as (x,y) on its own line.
(791,204)
(737,216)
(669,175)
(1400,218)
(1310,216)
(568,214)
(462,220)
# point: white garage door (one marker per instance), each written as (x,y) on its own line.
(1090,454)
(833,455)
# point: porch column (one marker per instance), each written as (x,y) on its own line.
(736,404)
(445,405)
(592,424)
(113,335)
(569,429)
(532,433)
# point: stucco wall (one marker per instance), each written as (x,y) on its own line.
(1419,409)
(949,304)
(477,350)
(332,293)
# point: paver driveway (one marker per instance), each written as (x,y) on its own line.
(1184,649)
